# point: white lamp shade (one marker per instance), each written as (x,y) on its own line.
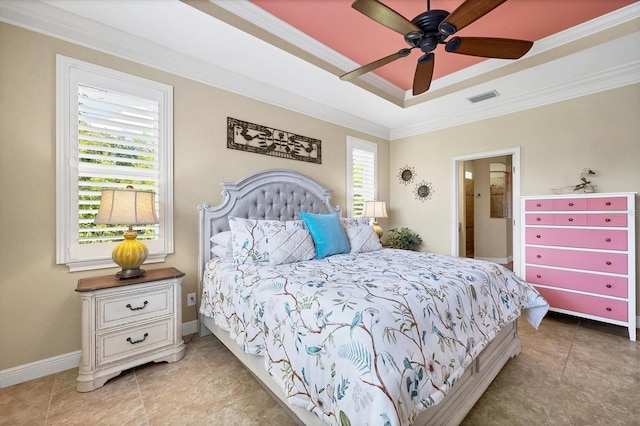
(127,207)
(375,209)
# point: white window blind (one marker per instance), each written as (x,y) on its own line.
(117,146)
(361,174)
(114,130)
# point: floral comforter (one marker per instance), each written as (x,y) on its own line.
(371,338)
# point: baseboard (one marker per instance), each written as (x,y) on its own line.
(56,364)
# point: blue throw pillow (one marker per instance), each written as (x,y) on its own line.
(327,233)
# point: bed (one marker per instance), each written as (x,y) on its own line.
(355,335)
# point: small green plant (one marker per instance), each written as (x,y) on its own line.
(404,238)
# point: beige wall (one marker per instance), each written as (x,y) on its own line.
(39,310)
(600,131)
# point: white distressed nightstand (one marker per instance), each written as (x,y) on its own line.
(126,323)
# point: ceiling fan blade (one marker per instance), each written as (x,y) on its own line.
(424,74)
(375,64)
(388,17)
(488,47)
(466,13)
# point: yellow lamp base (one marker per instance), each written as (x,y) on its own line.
(377,229)
(129,255)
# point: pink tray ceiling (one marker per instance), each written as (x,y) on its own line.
(337,25)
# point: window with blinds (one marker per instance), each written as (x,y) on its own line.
(361,174)
(114,130)
(117,146)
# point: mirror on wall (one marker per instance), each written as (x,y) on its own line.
(501,190)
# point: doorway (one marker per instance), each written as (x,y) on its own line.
(474,230)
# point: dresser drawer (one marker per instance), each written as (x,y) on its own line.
(607,239)
(608,219)
(608,285)
(570,204)
(538,205)
(608,203)
(570,219)
(586,304)
(592,261)
(539,219)
(133,341)
(127,307)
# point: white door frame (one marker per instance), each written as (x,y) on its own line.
(515,156)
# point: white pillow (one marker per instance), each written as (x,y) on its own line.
(289,246)
(350,222)
(363,239)
(223,252)
(249,238)
(222,238)
(294,224)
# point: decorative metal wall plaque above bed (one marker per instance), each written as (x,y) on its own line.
(253,137)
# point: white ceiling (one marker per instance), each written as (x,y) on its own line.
(170,35)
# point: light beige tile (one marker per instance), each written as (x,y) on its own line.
(118,402)
(26,403)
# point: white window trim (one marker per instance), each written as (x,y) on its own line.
(355,143)
(67,70)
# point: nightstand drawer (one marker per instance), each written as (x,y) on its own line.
(139,305)
(133,341)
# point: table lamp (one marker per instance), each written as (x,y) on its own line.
(128,207)
(375,209)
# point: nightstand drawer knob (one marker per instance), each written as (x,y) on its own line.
(139,307)
(133,342)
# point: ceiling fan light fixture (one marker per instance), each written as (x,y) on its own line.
(413,35)
(453,44)
(426,58)
(447,29)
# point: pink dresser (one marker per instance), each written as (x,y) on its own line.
(579,252)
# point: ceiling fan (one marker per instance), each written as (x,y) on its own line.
(431,28)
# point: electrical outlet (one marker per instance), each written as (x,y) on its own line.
(191,299)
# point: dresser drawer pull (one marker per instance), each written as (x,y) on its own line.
(538,205)
(538,236)
(608,262)
(608,286)
(607,220)
(539,256)
(138,308)
(609,309)
(133,342)
(570,204)
(538,276)
(608,203)
(608,240)
(538,219)
(570,219)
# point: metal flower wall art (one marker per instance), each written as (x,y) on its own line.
(423,191)
(406,175)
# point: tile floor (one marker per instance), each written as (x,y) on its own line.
(570,372)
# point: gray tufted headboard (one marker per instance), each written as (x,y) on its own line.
(276,194)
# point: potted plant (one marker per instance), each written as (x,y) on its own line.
(404,239)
